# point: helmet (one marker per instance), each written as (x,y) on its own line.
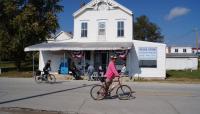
(113,57)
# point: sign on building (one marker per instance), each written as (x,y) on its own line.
(147,53)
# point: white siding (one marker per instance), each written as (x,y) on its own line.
(158,72)
(110,17)
(181,63)
(55,58)
(180,49)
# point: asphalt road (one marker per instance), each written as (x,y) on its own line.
(73,97)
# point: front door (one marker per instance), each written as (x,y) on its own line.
(101,59)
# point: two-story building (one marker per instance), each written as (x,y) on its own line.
(103,28)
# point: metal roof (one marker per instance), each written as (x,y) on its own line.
(181,55)
(80,46)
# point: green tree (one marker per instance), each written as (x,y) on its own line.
(24,23)
(147,31)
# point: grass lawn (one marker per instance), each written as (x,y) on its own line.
(9,70)
(184,74)
(16,74)
(8,64)
(195,74)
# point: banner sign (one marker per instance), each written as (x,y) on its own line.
(147,53)
(122,54)
(77,54)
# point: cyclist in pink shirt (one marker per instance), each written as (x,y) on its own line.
(111,73)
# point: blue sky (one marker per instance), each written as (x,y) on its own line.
(176,18)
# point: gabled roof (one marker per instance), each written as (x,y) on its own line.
(93,3)
(62,32)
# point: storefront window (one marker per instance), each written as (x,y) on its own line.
(148,63)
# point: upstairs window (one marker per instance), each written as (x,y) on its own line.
(84,27)
(176,50)
(120,29)
(102,29)
(184,50)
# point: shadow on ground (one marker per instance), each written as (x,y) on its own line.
(45,94)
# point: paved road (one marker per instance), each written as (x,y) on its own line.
(73,96)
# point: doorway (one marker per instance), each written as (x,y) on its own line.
(101,58)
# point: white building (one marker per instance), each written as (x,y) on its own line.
(181,58)
(179,49)
(103,28)
(194,50)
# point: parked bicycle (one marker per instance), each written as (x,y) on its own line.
(40,77)
(124,92)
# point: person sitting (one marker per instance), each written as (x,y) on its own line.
(75,71)
(124,70)
(46,69)
(111,73)
(100,71)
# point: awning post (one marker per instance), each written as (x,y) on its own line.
(84,64)
(33,64)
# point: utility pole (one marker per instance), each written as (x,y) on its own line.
(197,39)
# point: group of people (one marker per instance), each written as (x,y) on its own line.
(101,72)
(91,70)
(110,74)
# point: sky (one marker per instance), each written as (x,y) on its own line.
(177,19)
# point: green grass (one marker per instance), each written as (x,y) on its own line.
(7,64)
(9,70)
(184,74)
(188,74)
(16,74)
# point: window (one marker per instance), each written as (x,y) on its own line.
(147,57)
(176,50)
(84,27)
(102,28)
(184,50)
(148,63)
(120,29)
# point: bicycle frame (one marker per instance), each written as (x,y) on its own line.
(113,85)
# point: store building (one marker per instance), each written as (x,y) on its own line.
(103,28)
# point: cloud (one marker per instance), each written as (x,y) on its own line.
(177,12)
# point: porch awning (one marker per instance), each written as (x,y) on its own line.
(80,46)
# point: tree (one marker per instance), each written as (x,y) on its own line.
(146,30)
(24,23)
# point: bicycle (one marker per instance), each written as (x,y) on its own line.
(124,92)
(40,77)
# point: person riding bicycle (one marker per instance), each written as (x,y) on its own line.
(47,68)
(111,73)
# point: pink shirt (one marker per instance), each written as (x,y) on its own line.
(111,71)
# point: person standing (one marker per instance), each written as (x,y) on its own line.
(90,72)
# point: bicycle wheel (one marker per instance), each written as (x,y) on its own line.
(97,92)
(124,92)
(51,78)
(38,79)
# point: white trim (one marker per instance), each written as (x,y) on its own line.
(80,46)
(92,4)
